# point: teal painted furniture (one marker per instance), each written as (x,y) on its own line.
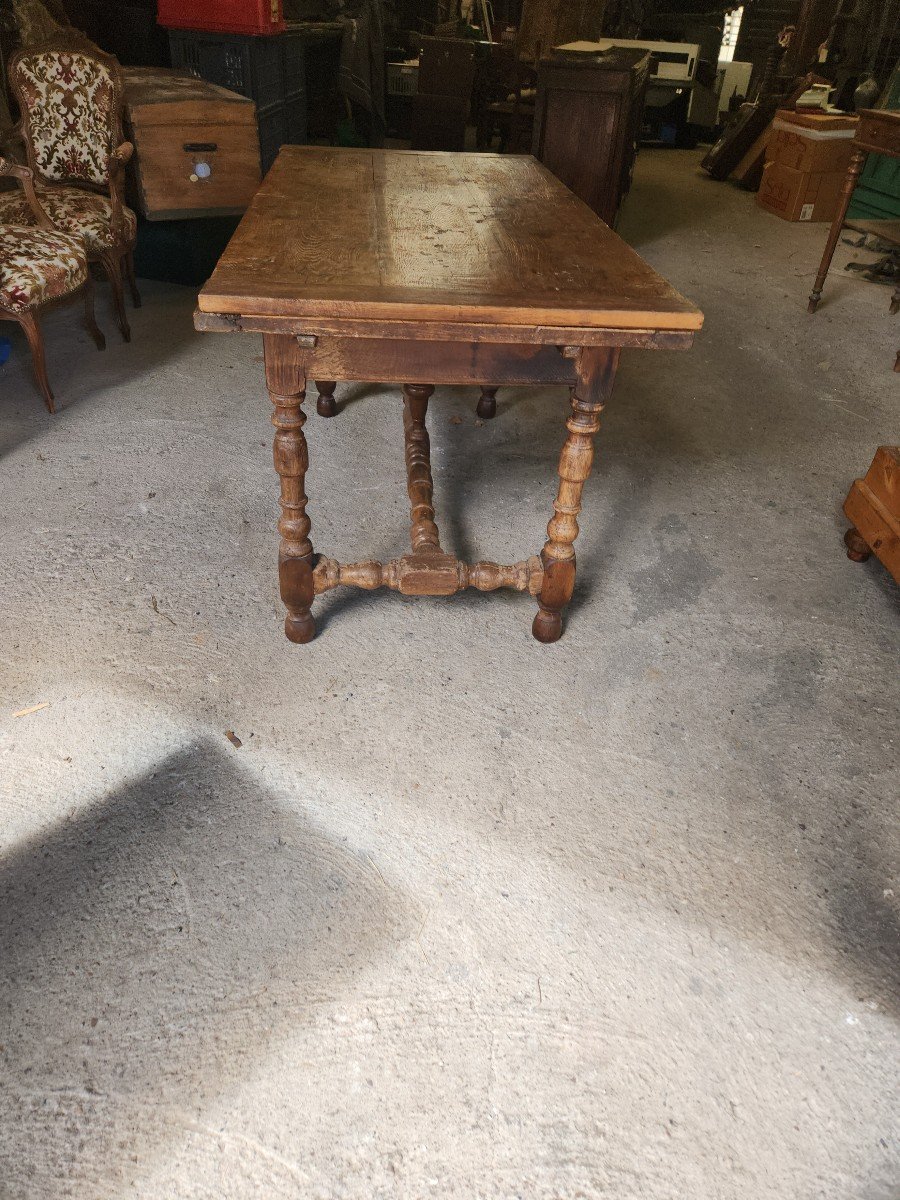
(877,195)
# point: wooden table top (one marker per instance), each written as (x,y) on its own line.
(403,235)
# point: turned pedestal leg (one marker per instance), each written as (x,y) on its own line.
(419,484)
(325,405)
(856,164)
(596,372)
(286,381)
(857,549)
(487,403)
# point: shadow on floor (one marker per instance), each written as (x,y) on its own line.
(80,374)
(657,207)
(136,979)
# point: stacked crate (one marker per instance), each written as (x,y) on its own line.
(271,71)
(223,16)
(807,156)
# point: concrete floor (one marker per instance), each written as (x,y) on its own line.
(464,916)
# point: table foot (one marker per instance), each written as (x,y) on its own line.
(487,404)
(814,298)
(857,549)
(547,626)
(295,578)
(326,405)
(300,629)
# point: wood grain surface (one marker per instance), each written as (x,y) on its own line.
(394,235)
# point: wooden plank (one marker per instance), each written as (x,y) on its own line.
(373,234)
(748,171)
(886,229)
(161,97)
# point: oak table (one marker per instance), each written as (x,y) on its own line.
(422,269)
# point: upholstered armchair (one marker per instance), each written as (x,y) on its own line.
(71,99)
(40,266)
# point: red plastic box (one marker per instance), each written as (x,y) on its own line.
(222,16)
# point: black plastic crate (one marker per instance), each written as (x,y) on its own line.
(271,71)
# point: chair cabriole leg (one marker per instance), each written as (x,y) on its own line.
(33,332)
(112,265)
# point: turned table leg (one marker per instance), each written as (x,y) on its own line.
(596,372)
(419,484)
(856,165)
(325,405)
(286,381)
(857,549)
(487,403)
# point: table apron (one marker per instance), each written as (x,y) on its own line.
(436,331)
(393,360)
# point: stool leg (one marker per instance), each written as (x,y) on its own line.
(856,164)
(596,373)
(286,381)
(487,403)
(325,405)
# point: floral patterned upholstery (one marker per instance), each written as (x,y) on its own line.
(82,214)
(36,266)
(68,102)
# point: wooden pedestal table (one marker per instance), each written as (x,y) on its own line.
(423,269)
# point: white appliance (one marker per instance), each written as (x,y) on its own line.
(676,72)
(731,78)
(677,60)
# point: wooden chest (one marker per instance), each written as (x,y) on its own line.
(196,146)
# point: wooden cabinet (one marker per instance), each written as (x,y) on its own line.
(587,120)
(196,146)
